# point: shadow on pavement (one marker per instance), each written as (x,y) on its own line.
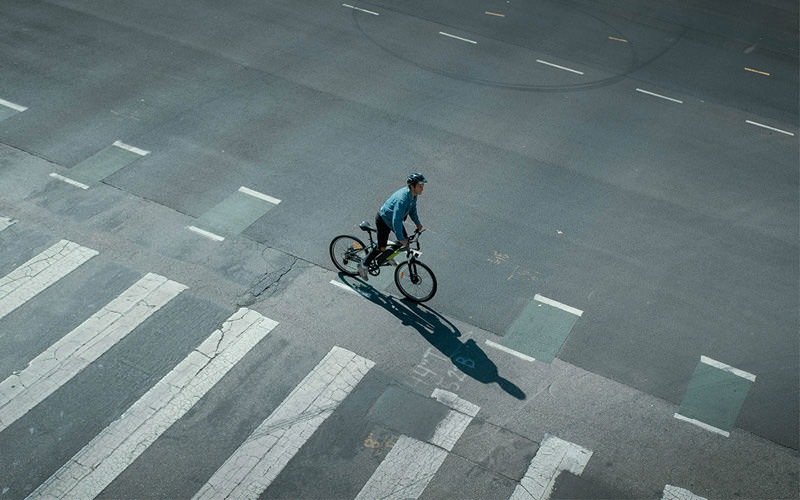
(467,356)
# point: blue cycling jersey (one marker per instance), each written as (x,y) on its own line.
(401,204)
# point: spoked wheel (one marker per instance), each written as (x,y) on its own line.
(415,280)
(346,253)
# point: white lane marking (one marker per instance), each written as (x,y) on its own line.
(769,128)
(559,305)
(66,358)
(508,350)
(702,425)
(95,466)
(15,107)
(68,180)
(495,14)
(758,71)
(207,234)
(617,39)
(344,286)
(259,460)
(727,368)
(458,37)
(360,9)
(675,493)
(540,61)
(659,96)
(6,222)
(260,196)
(132,149)
(554,455)
(40,272)
(411,464)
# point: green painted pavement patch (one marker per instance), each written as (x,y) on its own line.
(541,329)
(236,212)
(715,396)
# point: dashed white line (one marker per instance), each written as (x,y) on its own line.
(260,196)
(727,368)
(702,425)
(207,234)
(68,180)
(557,66)
(360,9)
(132,149)
(9,104)
(508,350)
(769,128)
(659,96)
(457,37)
(558,305)
(344,286)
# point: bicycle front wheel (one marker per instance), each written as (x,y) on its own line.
(346,253)
(415,281)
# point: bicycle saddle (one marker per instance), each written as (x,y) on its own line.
(366,226)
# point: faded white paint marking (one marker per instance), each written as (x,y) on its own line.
(257,462)
(40,272)
(702,425)
(728,368)
(68,180)
(83,345)
(15,107)
(207,234)
(659,96)
(675,493)
(360,9)
(6,222)
(564,68)
(559,305)
(94,467)
(769,128)
(132,149)
(343,286)
(260,196)
(554,455)
(457,37)
(508,350)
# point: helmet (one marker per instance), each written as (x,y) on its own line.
(416,178)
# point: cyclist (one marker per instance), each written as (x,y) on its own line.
(401,204)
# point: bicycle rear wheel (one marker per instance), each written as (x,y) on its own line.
(415,281)
(346,253)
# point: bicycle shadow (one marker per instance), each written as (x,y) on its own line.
(443,335)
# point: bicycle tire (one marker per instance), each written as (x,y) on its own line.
(418,286)
(346,253)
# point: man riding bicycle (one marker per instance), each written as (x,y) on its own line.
(401,204)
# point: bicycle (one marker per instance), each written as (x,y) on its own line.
(414,279)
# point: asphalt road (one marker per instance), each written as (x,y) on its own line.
(635,164)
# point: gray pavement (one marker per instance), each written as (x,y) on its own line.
(623,161)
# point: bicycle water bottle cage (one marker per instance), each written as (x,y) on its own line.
(365,226)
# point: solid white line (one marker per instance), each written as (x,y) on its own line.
(257,462)
(207,234)
(43,270)
(132,149)
(94,467)
(702,425)
(68,180)
(411,464)
(659,96)
(769,128)
(344,286)
(509,351)
(559,67)
(15,107)
(78,349)
(728,368)
(675,493)
(559,305)
(260,196)
(6,222)
(554,455)
(360,9)
(458,37)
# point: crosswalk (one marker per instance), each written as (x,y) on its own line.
(258,460)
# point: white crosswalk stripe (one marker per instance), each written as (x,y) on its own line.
(40,272)
(116,447)
(79,348)
(253,467)
(554,455)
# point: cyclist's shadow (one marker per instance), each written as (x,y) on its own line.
(467,356)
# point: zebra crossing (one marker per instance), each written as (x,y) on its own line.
(409,465)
